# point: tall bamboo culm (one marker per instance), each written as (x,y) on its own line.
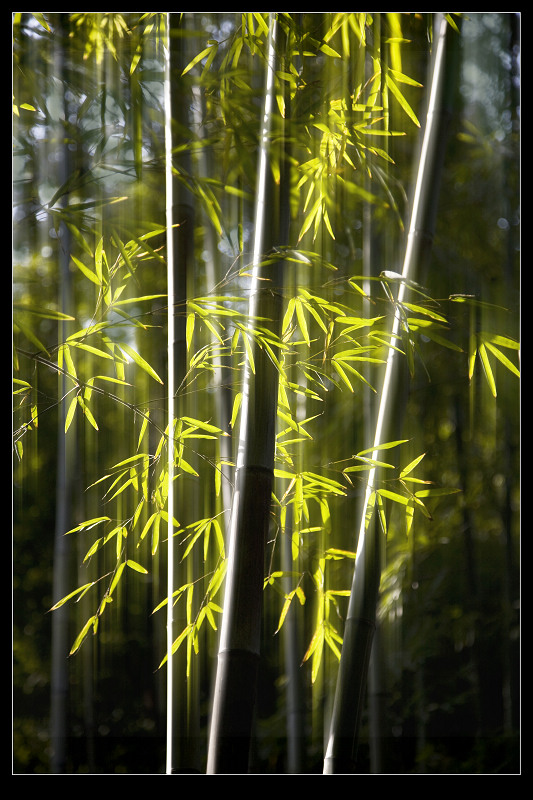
(239,647)
(360,624)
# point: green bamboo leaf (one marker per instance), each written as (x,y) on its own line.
(123,253)
(67,355)
(342,373)
(285,610)
(249,351)
(30,336)
(209,612)
(381,513)
(90,349)
(98,260)
(89,523)
(409,518)
(318,651)
(334,552)
(397,498)
(206,426)
(357,322)
(129,460)
(42,312)
(80,590)
(86,271)
(91,623)
(146,417)
(385,446)
(109,379)
(181,638)
(191,318)
(332,638)
(329,51)
(401,99)
(92,550)
(70,414)
(472,353)
(503,358)
(139,360)
(502,341)
(87,412)
(39,16)
(207,51)
(116,578)
(412,464)
(289,313)
(143,298)
(236,406)
(302,322)
(155,534)
(402,78)
(423,310)
(435,337)
(186,467)
(313,216)
(148,525)
(369,463)
(487,368)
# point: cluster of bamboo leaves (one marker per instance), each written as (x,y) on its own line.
(325,346)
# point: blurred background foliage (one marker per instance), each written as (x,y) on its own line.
(89,163)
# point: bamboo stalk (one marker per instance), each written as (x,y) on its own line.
(239,648)
(170,397)
(66,449)
(361,617)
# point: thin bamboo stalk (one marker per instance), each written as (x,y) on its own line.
(66,448)
(181,689)
(170,398)
(361,617)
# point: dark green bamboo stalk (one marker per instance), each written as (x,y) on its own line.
(222,371)
(292,655)
(239,648)
(66,445)
(361,617)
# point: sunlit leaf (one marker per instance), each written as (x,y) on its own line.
(412,464)
(503,358)
(79,591)
(401,98)
(91,622)
(482,350)
(86,271)
(70,413)
(140,361)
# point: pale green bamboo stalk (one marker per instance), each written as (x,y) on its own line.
(239,648)
(170,398)
(360,621)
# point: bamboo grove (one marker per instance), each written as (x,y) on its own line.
(235,317)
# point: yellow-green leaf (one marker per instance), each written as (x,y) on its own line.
(488,369)
(410,467)
(139,360)
(137,567)
(79,590)
(70,413)
(91,623)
